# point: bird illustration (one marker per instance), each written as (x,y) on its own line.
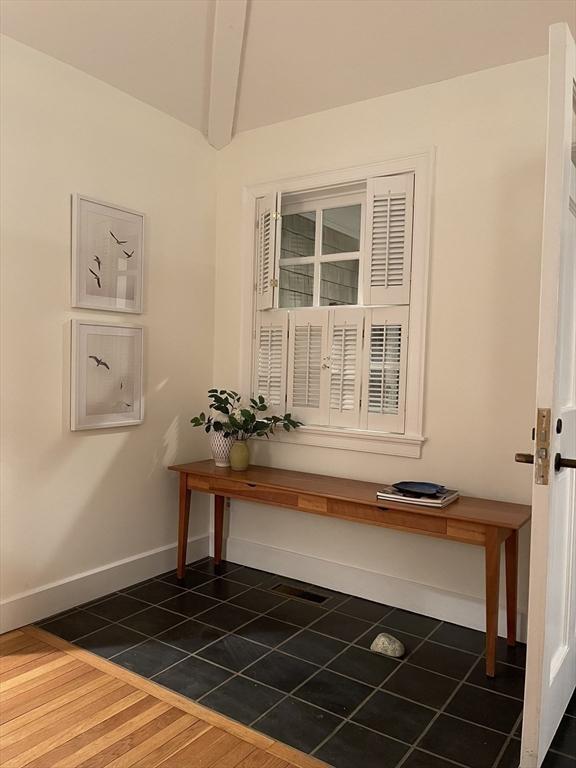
(118,242)
(121,385)
(96,278)
(99,361)
(128,255)
(98,261)
(128,405)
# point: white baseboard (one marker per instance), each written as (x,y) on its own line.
(380,587)
(37,604)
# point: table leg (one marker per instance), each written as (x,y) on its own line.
(183,520)
(219,503)
(511,585)
(492,596)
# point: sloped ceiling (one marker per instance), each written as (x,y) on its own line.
(224,66)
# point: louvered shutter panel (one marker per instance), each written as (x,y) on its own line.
(389,207)
(384,377)
(308,366)
(266,251)
(271,357)
(345,345)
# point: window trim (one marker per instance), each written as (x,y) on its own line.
(410,443)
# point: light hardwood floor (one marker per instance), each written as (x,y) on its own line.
(62,707)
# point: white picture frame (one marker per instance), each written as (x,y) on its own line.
(106,375)
(107,256)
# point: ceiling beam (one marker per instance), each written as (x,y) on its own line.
(227,44)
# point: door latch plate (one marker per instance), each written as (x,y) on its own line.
(542,452)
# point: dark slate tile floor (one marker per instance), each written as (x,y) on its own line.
(303,673)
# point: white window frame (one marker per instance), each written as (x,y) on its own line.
(409,444)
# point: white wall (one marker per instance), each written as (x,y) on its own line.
(73,503)
(489,130)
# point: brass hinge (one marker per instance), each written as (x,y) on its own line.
(542,452)
(273,283)
(276,215)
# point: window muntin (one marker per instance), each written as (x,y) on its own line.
(320,251)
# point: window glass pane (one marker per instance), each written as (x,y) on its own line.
(298,235)
(339,283)
(341,229)
(296,285)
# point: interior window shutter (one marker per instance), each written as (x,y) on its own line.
(345,348)
(308,366)
(389,206)
(266,237)
(384,376)
(271,357)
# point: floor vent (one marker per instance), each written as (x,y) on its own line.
(301,594)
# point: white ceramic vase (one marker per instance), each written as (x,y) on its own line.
(220,447)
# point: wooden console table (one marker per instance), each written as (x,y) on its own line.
(472,521)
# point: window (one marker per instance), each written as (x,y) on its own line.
(340,290)
(320,250)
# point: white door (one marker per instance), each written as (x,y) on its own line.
(551,663)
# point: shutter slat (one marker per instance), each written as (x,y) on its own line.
(389,238)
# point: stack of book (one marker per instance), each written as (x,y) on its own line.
(420,494)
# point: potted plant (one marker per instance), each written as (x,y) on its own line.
(240,424)
(220,433)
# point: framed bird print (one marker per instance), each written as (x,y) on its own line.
(106,380)
(107,256)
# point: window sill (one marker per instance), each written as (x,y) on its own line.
(409,446)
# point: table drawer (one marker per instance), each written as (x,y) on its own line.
(393,518)
(241,489)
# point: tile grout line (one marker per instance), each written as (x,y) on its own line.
(335,609)
(271,649)
(278,648)
(442,710)
(197,616)
(367,699)
(509,738)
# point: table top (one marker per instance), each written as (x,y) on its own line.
(486,511)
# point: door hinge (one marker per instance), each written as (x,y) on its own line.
(273,283)
(542,451)
(276,215)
